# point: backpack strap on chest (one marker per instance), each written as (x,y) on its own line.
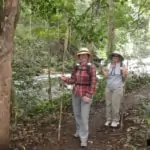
(88,68)
(76,67)
(121,64)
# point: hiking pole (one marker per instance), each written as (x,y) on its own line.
(61,103)
(122,105)
(122,111)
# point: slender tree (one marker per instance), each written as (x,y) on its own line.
(111,32)
(9,11)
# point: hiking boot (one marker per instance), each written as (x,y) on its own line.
(76,135)
(83,143)
(115,124)
(107,123)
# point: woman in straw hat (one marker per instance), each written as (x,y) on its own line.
(115,73)
(84,87)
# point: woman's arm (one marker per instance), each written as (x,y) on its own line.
(70,80)
(124,71)
(105,71)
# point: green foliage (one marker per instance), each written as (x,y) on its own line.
(122,20)
(135,81)
(45,9)
(43,24)
(100,90)
(146,108)
(46,107)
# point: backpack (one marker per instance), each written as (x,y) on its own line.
(121,65)
(88,69)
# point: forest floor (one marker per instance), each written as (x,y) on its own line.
(41,134)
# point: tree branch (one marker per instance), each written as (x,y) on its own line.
(6,37)
(82,16)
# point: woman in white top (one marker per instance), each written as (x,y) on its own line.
(115,73)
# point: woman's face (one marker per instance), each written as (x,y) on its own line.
(115,58)
(84,58)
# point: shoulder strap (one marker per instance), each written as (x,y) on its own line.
(89,68)
(121,64)
(76,67)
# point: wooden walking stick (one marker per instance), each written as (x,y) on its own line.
(61,103)
(122,111)
(122,105)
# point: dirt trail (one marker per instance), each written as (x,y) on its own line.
(101,138)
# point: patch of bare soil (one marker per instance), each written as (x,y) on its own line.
(42,134)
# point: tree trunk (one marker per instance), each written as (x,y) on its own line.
(111,32)
(7,24)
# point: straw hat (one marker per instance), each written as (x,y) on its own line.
(117,53)
(83,50)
